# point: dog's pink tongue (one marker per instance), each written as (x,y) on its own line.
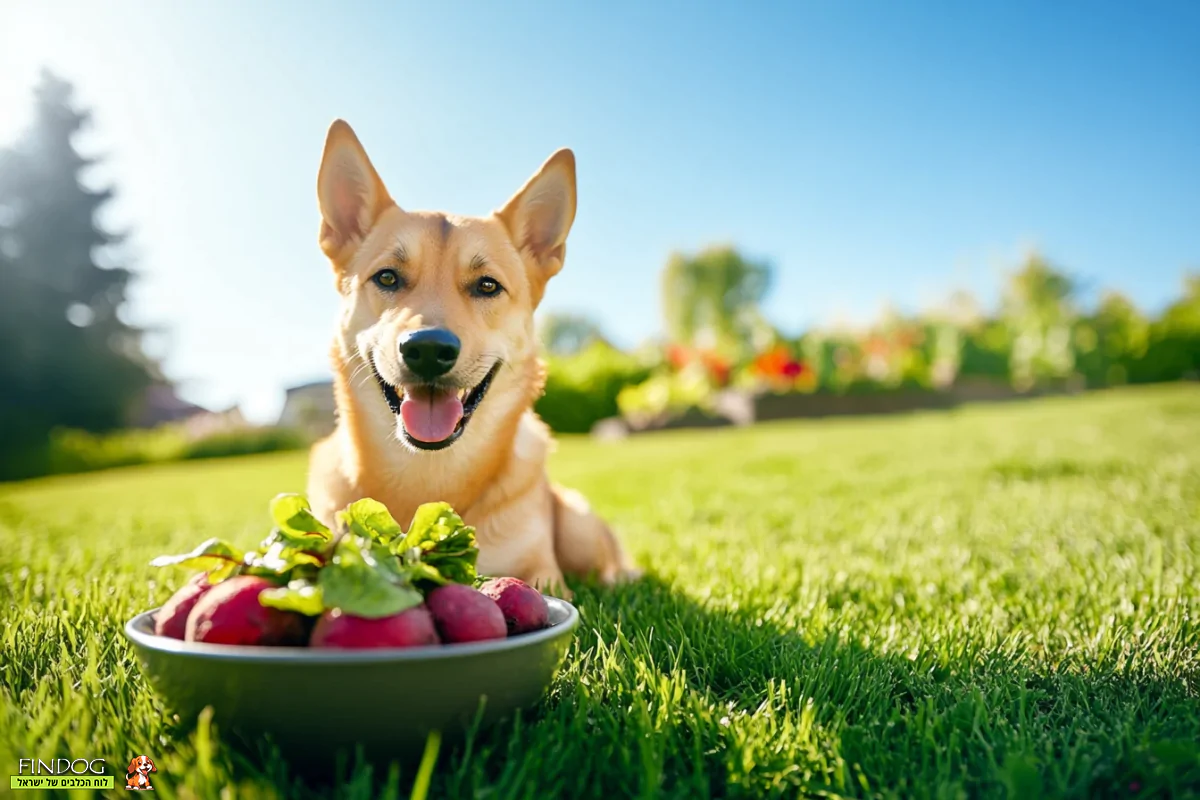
(431,416)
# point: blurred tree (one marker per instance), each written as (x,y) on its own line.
(986,351)
(66,357)
(1109,341)
(1174,348)
(949,344)
(1184,314)
(1039,310)
(567,334)
(711,300)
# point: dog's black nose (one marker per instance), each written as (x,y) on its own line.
(430,352)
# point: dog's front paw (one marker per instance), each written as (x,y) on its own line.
(629,575)
(616,577)
(551,584)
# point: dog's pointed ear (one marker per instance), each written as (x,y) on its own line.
(349,191)
(540,214)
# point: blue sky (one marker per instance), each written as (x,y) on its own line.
(872,151)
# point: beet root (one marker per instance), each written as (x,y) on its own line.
(523,607)
(230,613)
(171,619)
(411,628)
(463,614)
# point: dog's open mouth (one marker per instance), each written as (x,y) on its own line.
(433,417)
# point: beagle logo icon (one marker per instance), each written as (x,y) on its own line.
(137,776)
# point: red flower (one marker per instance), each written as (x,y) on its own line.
(717,367)
(678,356)
(720,373)
(793,369)
(773,362)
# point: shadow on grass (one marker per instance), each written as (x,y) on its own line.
(1024,470)
(665,696)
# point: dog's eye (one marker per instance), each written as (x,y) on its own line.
(388,280)
(487,287)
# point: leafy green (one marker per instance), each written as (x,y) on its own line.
(372,569)
(363,584)
(223,571)
(371,520)
(301,596)
(294,516)
(422,572)
(305,542)
(431,523)
(439,539)
(217,557)
(280,555)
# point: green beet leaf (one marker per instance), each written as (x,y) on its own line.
(217,557)
(362,585)
(455,556)
(388,562)
(301,596)
(440,539)
(432,523)
(371,520)
(314,545)
(306,543)
(423,573)
(280,557)
(222,571)
(293,515)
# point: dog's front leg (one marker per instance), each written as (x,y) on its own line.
(583,542)
(516,539)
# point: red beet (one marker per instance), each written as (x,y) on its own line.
(411,628)
(230,613)
(171,619)
(464,615)
(523,607)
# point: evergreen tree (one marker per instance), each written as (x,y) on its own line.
(66,356)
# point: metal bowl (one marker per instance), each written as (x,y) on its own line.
(313,702)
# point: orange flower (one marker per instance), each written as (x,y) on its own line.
(678,356)
(773,362)
(876,346)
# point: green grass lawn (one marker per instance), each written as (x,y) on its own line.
(1002,601)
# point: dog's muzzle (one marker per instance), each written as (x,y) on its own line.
(433,417)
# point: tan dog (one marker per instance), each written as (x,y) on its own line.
(436,367)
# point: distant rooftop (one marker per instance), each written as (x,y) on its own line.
(310,385)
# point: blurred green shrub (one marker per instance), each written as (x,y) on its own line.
(245,442)
(582,389)
(79,451)
(668,391)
